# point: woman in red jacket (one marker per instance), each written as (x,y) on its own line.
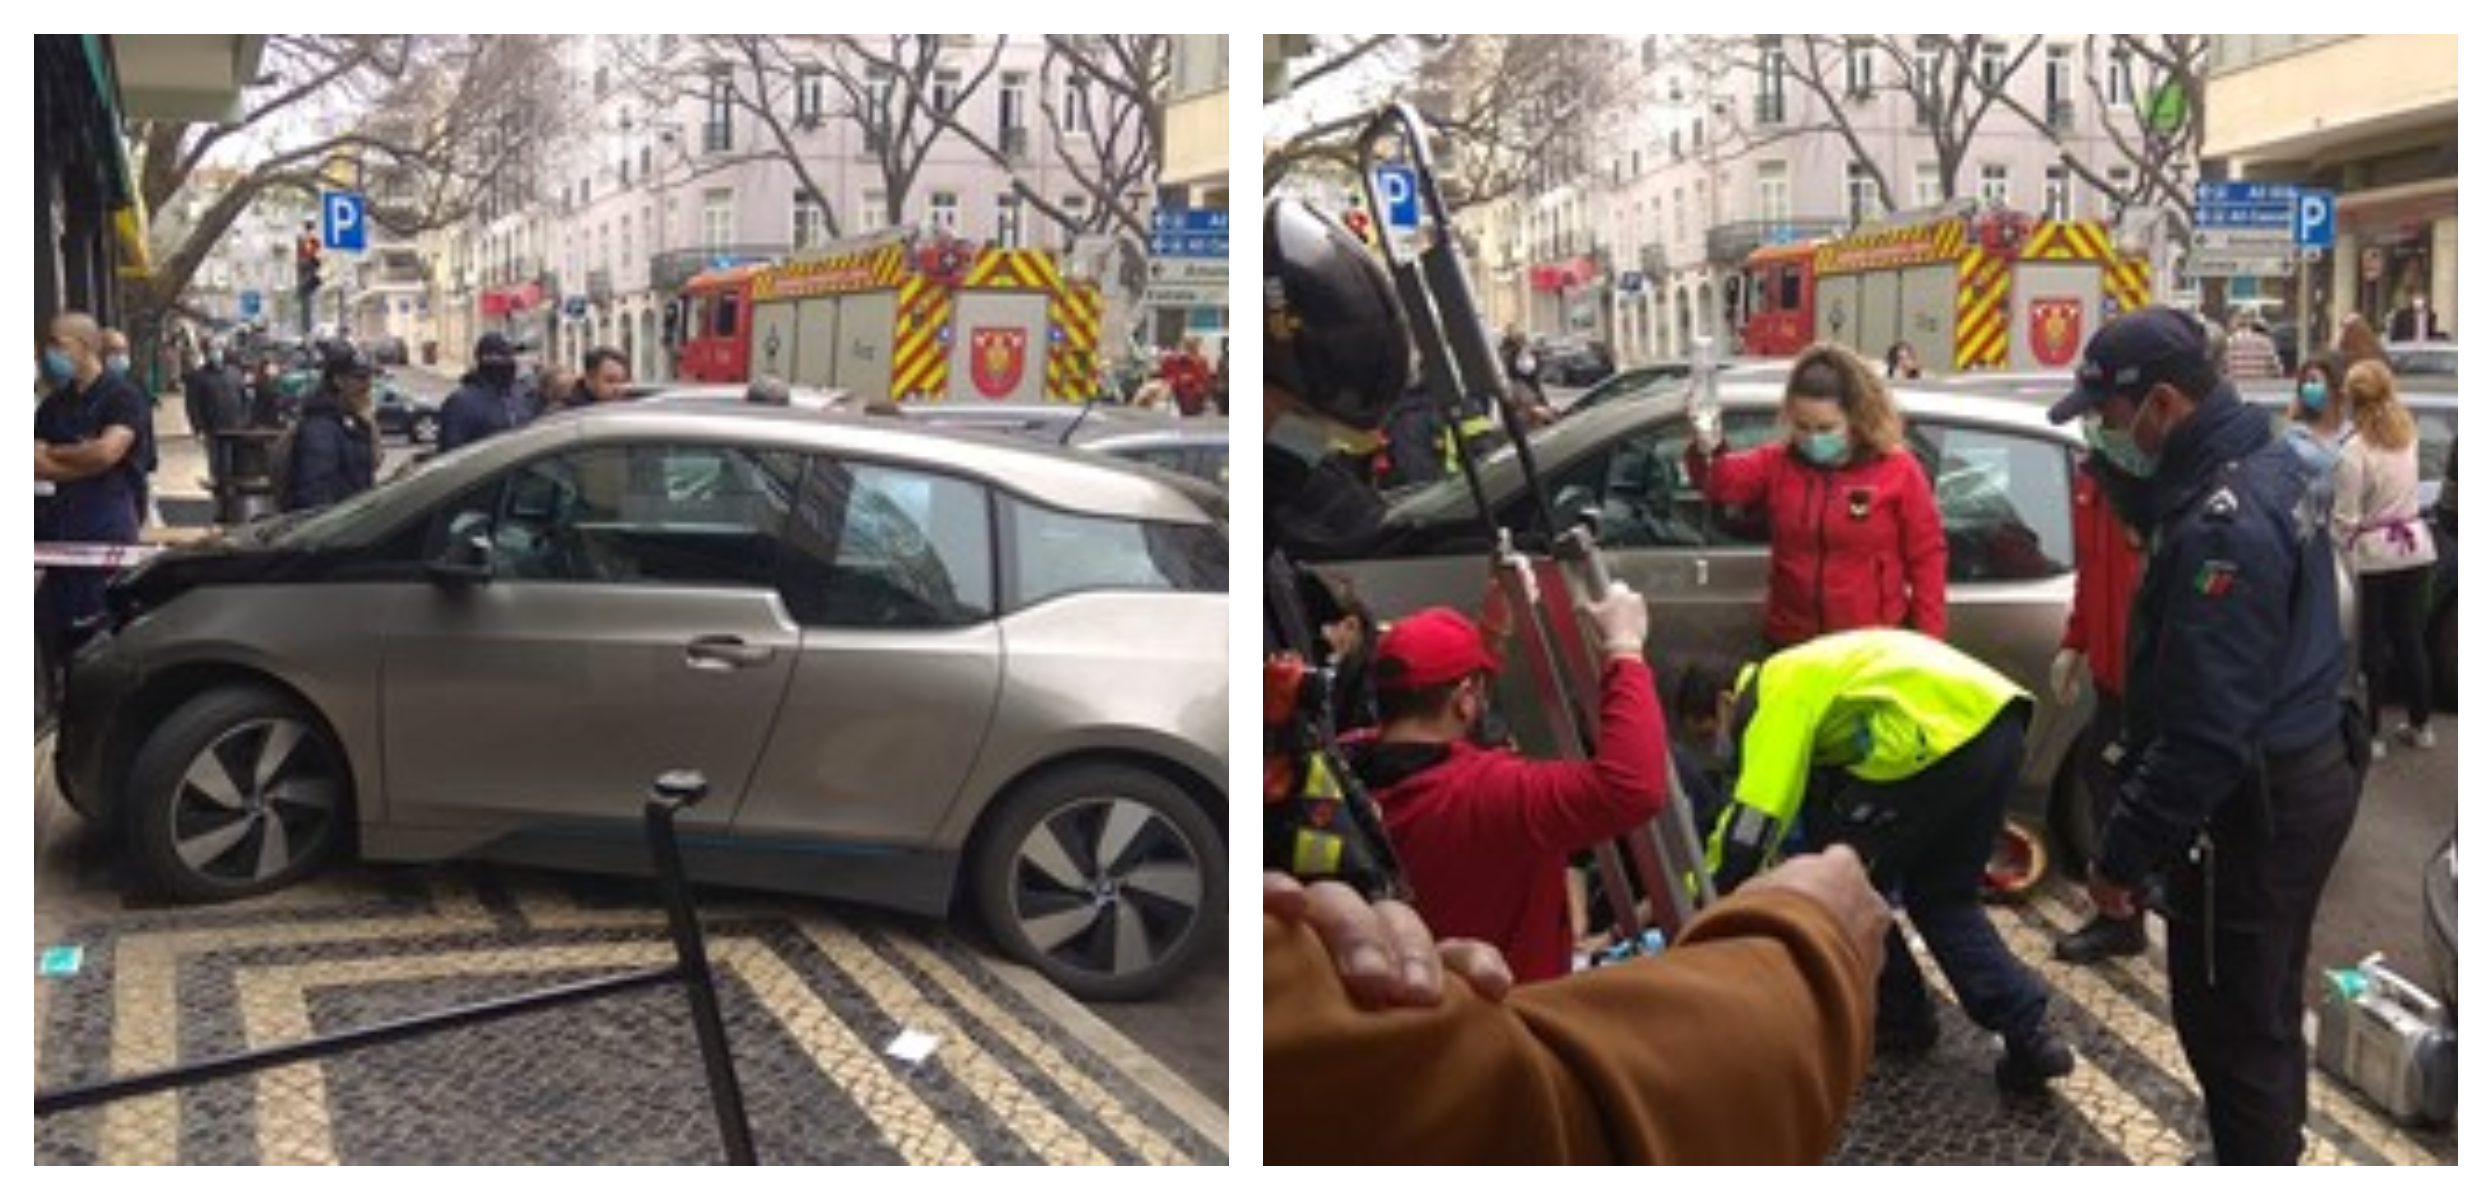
(2108,565)
(1853,523)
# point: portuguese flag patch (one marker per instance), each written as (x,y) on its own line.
(2215,578)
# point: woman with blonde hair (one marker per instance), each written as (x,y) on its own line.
(2379,525)
(1850,514)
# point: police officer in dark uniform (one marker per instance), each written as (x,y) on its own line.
(1336,355)
(2238,780)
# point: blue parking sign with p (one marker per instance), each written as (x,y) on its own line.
(1400,188)
(341,220)
(2314,219)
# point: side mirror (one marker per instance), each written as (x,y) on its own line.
(466,560)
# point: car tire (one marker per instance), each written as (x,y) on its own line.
(2444,656)
(1109,880)
(425,429)
(239,792)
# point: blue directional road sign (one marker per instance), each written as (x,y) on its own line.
(341,220)
(1190,233)
(1400,188)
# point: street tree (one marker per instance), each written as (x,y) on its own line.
(1103,99)
(893,89)
(1511,112)
(431,126)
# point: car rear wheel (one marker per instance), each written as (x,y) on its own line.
(239,792)
(1107,879)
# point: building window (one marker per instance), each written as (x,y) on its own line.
(1076,116)
(1994,65)
(717,219)
(718,130)
(1008,221)
(1774,191)
(2055,193)
(2122,181)
(808,224)
(1011,101)
(1077,207)
(1925,55)
(946,90)
(874,212)
(879,85)
(944,209)
(1926,192)
(1772,68)
(2059,102)
(2121,79)
(810,82)
(1861,187)
(628,256)
(1994,192)
(1860,66)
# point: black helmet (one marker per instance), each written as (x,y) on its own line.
(1332,334)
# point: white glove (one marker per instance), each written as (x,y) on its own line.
(2064,677)
(1706,432)
(1622,618)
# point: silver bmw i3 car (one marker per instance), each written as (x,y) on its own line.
(920,670)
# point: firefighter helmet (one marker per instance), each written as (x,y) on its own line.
(1332,335)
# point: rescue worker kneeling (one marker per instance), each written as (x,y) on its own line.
(1483,833)
(1907,750)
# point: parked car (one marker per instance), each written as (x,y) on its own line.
(1195,446)
(2001,471)
(932,673)
(1574,362)
(387,350)
(2422,358)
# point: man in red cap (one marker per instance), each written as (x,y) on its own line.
(1483,833)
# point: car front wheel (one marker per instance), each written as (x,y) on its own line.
(1107,879)
(238,793)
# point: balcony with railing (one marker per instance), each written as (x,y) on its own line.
(1733,241)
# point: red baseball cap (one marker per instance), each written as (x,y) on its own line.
(1431,647)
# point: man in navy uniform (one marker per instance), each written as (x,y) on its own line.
(2238,781)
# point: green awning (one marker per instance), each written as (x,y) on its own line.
(115,147)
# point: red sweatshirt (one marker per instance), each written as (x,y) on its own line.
(1855,547)
(1484,835)
(2107,570)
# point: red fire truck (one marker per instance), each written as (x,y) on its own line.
(1968,290)
(899,317)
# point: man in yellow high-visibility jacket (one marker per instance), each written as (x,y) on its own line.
(1906,749)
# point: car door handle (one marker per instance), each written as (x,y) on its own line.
(725,653)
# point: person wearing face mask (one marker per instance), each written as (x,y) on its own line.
(334,448)
(117,361)
(87,434)
(2315,422)
(1850,515)
(2239,768)
(1484,833)
(489,399)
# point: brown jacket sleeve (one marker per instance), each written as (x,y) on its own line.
(1743,1044)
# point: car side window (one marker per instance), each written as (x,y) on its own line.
(886,547)
(684,515)
(2004,503)
(1056,553)
(1640,488)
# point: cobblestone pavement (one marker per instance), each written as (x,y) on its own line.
(2132,1099)
(812,997)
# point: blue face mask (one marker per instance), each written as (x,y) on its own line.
(58,366)
(1827,448)
(118,364)
(2314,397)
